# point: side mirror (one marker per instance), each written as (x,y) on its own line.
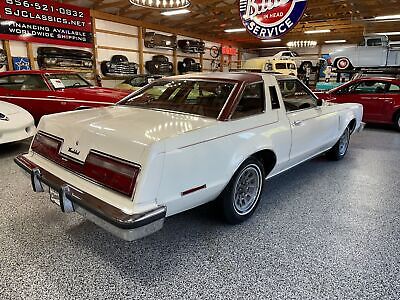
(320,102)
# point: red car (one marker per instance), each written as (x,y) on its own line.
(380,97)
(47,92)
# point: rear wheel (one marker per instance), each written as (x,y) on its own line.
(397,121)
(241,196)
(340,149)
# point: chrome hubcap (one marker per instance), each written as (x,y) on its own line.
(343,143)
(247,189)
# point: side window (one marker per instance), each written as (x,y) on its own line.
(394,88)
(274,98)
(34,83)
(296,96)
(252,101)
(374,42)
(23,83)
(369,87)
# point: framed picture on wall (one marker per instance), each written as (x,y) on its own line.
(21,63)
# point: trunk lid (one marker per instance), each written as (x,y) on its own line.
(123,132)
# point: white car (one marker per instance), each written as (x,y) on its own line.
(302,62)
(15,123)
(373,52)
(180,142)
(268,64)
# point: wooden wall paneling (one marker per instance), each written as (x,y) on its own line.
(175,61)
(31,56)
(140,46)
(6,47)
(96,72)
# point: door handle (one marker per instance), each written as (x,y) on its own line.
(297,123)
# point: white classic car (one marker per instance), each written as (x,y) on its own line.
(302,62)
(15,123)
(268,64)
(373,52)
(180,142)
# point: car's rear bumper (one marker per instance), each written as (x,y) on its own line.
(126,226)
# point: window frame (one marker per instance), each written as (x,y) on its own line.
(307,89)
(240,97)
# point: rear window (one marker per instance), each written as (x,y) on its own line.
(204,98)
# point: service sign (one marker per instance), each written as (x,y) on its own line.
(268,19)
(45,21)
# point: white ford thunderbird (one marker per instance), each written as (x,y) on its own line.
(15,123)
(181,142)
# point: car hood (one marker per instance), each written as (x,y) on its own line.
(121,131)
(113,95)
(10,109)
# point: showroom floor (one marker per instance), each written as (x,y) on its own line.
(323,230)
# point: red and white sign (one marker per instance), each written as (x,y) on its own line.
(272,18)
(229,51)
(45,21)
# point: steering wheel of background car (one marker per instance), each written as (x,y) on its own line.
(214,51)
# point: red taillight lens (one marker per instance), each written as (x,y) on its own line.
(113,173)
(46,146)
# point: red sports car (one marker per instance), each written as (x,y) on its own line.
(380,97)
(47,92)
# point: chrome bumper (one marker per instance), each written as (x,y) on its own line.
(125,226)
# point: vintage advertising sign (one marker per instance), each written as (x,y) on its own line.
(267,19)
(45,21)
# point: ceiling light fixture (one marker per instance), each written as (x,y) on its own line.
(175,12)
(234,30)
(317,31)
(161,4)
(271,40)
(302,44)
(335,41)
(387,33)
(391,17)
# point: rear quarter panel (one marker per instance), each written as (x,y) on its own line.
(210,157)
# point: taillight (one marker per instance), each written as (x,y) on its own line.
(116,174)
(47,146)
(113,173)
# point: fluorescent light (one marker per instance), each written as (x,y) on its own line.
(271,40)
(317,31)
(233,30)
(388,33)
(175,12)
(391,17)
(335,41)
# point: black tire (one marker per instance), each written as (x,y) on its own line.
(339,151)
(232,211)
(397,121)
(305,65)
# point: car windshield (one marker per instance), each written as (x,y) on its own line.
(64,81)
(204,98)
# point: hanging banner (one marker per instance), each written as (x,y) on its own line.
(268,19)
(45,21)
